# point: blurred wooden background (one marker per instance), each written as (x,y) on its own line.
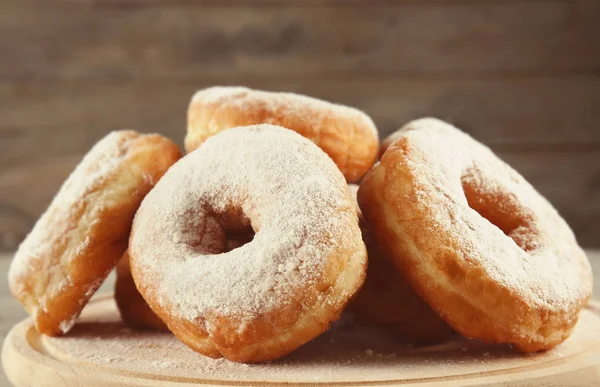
(522,76)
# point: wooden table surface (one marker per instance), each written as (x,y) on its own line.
(11,312)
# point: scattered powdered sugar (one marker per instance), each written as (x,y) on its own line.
(499,223)
(290,192)
(94,286)
(66,325)
(346,353)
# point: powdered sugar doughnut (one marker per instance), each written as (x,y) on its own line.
(271,295)
(386,299)
(84,231)
(476,241)
(346,134)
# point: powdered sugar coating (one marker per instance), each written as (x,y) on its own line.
(301,105)
(95,168)
(539,231)
(51,230)
(291,193)
(76,242)
(346,134)
(472,226)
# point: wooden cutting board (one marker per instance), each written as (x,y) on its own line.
(101,352)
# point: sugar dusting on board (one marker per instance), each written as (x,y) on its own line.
(348,352)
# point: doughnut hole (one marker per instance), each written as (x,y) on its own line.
(225,230)
(499,206)
(238,238)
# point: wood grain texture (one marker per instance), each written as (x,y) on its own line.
(520,112)
(520,75)
(99,352)
(76,39)
(259,3)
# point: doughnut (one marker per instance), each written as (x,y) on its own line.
(347,135)
(134,310)
(475,240)
(387,300)
(84,231)
(389,140)
(267,297)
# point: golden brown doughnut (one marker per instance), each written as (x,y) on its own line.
(386,299)
(488,253)
(84,231)
(273,294)
(347,135)
(133,308)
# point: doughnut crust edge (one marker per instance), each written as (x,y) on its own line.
(134,310)
(386,299)
(477,242)
(84,231)
(346,134)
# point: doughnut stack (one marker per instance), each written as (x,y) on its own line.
(285,213)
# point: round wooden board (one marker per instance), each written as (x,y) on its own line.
(101,352)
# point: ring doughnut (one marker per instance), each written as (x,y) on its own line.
(84,231)
(134,310)
(477,242)
(387,300)
(262,300)
(347,135)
